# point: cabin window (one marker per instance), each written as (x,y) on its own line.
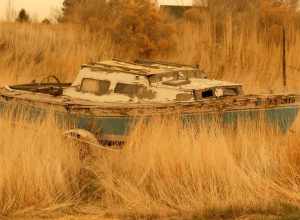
(231,91)
(97,87)
(182,97)
(207,93)
(202,94)
(131,90)
(216,92)
(134,90)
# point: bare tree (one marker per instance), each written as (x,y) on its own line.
(10,13)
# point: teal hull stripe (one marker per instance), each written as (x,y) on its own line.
(281,117)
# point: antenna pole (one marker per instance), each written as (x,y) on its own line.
(284,74)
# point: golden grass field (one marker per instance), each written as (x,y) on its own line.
(215,173)
(250,173)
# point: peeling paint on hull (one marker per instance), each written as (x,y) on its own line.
(119,126)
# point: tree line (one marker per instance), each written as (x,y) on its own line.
(140,24)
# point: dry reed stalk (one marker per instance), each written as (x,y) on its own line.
(33,51)
(167,170)
(39,170)
(164,169)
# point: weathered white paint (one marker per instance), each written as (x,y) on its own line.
(72,92)
(113,77)
(176,2)
(206,83)
(163,93)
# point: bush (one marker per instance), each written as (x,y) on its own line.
(135,25)
(46,21)
(23,16)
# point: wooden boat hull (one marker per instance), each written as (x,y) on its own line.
(117,127)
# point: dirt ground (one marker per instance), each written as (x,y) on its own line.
(70,217)
(97,217)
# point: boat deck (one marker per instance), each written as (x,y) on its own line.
(65,103)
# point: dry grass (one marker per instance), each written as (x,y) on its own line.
(209,172)
(247,59)
(33,51)
(183,172)
(179,172)
(38,170)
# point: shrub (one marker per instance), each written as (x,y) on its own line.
(23,16)
(137,25)
(46,21)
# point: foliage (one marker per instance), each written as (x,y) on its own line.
(23,16)
(46,21)
(277,12)
(86,12)
(136,24)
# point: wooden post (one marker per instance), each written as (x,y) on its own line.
(284,73)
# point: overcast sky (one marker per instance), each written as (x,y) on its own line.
(39,8)
(44,8)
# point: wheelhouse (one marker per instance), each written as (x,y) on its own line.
(147,81)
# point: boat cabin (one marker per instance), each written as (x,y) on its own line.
(176,8)
(146,81)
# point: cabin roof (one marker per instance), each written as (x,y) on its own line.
(183,3)
(141,67)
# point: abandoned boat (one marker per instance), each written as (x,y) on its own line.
(106,99)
